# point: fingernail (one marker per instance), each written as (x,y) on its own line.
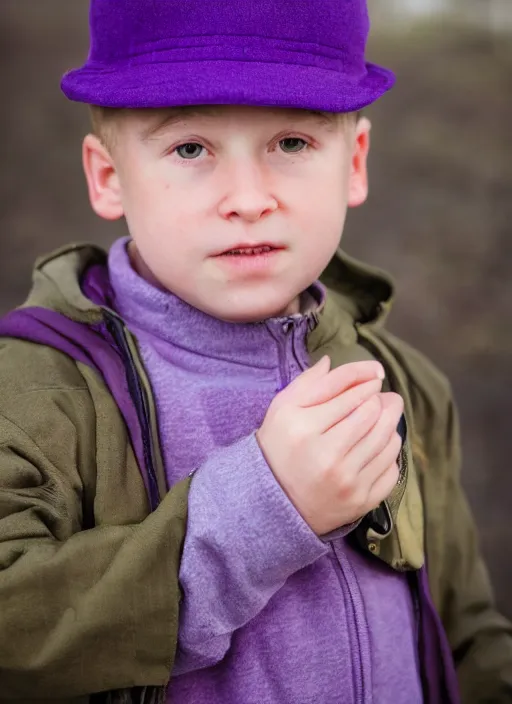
(381,374)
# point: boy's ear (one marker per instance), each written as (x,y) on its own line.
(102,179)
(358,180)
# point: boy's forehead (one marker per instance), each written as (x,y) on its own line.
(153,122)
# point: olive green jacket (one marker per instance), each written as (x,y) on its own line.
(89,592)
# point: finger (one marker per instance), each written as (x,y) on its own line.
(310,377)
(371,472)
(337,381)
(326,415)
(354,427)
(372,444)
(384,485)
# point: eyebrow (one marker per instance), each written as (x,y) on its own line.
(328,119)
(175,116)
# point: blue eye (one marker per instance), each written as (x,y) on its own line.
(191,150)
(292,145)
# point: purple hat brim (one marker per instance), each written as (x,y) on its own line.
(161,85)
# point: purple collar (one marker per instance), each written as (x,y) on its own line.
(161,315)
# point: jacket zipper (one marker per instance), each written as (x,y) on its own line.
(116,328)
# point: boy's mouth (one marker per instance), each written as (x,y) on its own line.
(250,259)
(244,250)
(248,251)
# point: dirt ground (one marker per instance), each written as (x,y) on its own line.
(439,216)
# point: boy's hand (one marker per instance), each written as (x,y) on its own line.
(330,439)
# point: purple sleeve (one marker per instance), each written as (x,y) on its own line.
(244,539)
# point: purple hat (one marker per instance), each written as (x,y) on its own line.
(278,53)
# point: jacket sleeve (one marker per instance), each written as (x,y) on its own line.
(480,637)
(244,540)
(81,611)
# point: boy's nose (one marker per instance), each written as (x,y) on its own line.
(247,195)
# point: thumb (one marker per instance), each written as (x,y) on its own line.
(314,373)
(320,368)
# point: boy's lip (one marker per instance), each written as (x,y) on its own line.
(250,245)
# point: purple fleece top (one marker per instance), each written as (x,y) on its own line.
(271,614)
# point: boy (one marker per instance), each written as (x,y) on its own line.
(203,493)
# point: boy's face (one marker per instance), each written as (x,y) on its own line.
(236,210)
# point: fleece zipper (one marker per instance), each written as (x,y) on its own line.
(361,651)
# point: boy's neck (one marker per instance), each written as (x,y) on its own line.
(297,306)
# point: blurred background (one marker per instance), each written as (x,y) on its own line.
(439,217)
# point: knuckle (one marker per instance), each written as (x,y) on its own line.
(394,402)
(371,408)
(330,461)
(352,372)
(347,487)
(353,493)
(363,392)
(349,371)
